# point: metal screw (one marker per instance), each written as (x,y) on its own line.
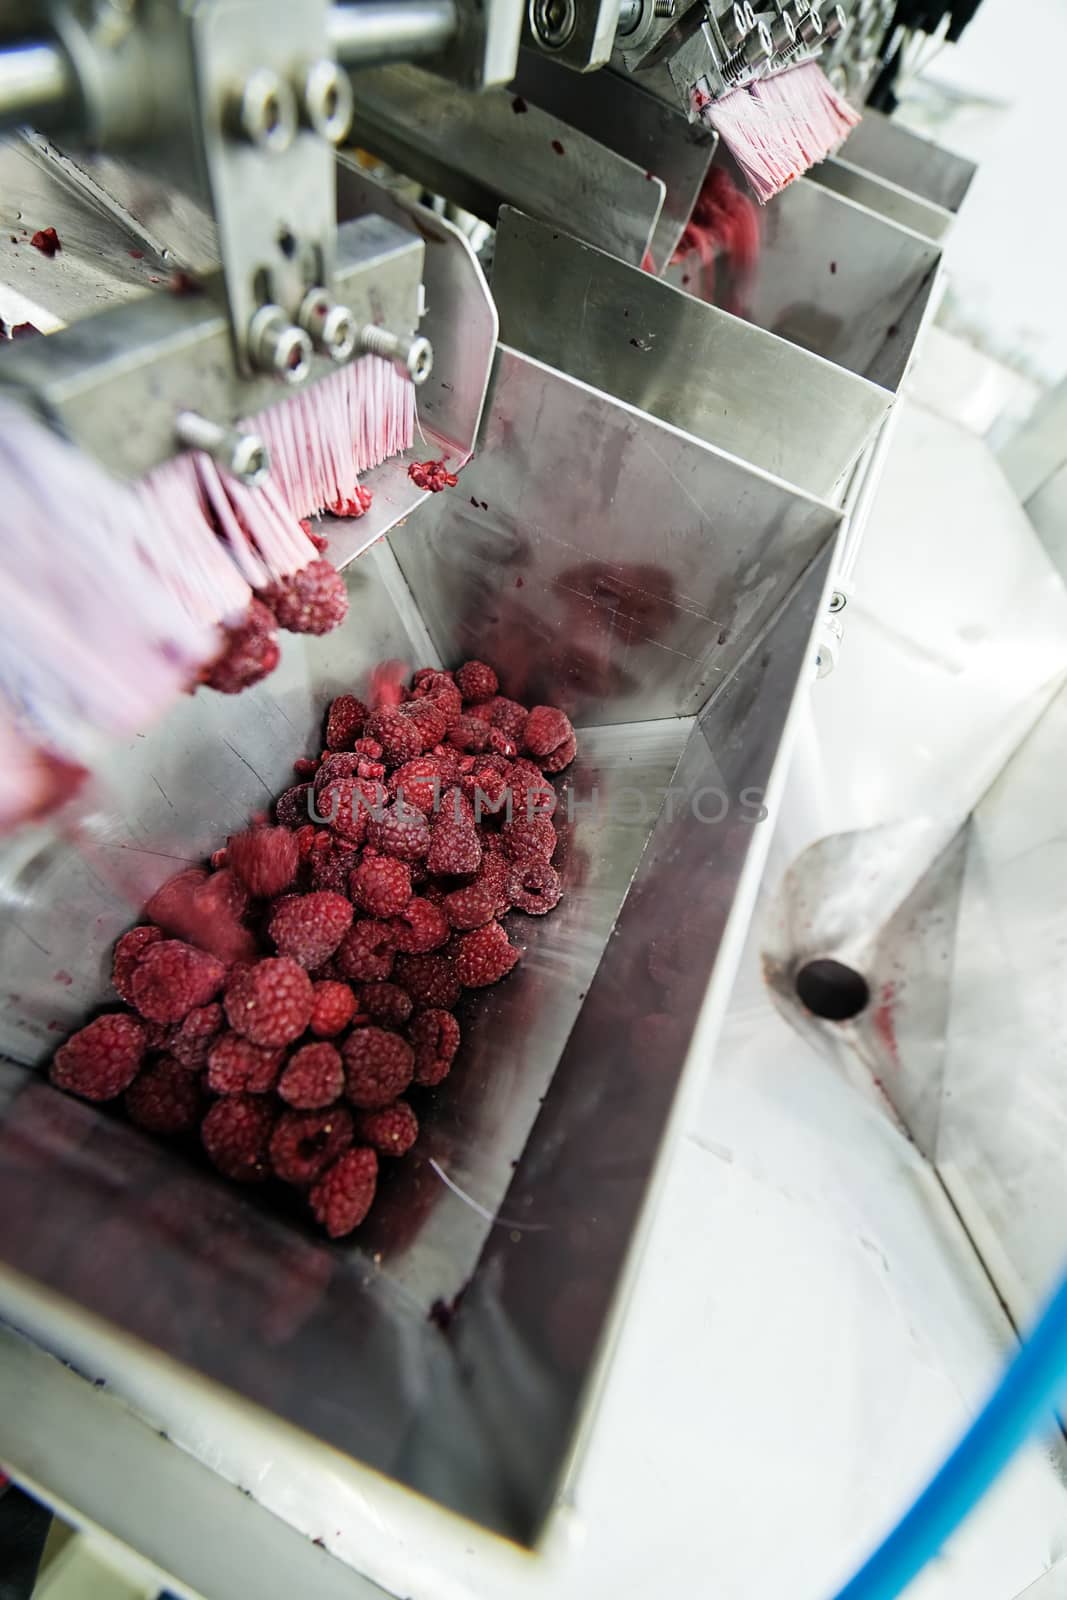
(276,345)
(809,29)
(553,22)
(265,112)
(331,328)
(756,49)
(629,17)
(733,26)
(412,351)
(836,22)
(838,601)
(327,100)
(245,455)
(663,8)
(784,33)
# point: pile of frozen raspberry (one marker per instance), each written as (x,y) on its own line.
(291,1000)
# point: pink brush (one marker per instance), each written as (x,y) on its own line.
(778,127)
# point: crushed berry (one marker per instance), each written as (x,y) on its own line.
(432,475)
(46,240)
(249,652)
(313,600)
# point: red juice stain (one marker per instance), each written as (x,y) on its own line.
(884,1023)
(833,268)
(518,105)
(520,582)
(558,148)
(137,255)
(62,977)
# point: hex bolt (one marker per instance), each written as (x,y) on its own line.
(264,112)
(330,327)
(836,22)
(326,100)
(553,22)
(838,601)
(734,26)
(664,8)
(753,52)
(245,455)
(630,12)
(784,33)
(809,28)
(410,350)
(276,345)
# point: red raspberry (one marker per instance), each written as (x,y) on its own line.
(431,475)
(401,832)
(470,907)
(371,769)
(236,1066)
(342,764)
(344,722)
(398,736)
(333,1006)
(315,1077)
(312,601)
(421,927)
(369,749)
(343,1196)
(291,808)
(434,1037)
(304,1143)
(366,954)
(469,733)
(476,681)
(420,783)
(205,911)
(482,711)
(171,978)
(195,1035)
(309,927)
(545,730)
(430,980)
(381,886)
(101,1059)
(530,839)
(235,1133)
(534,887)
(386,1003)
(391,1132)
(484,957)
(271,1002)
(509,717)
(265,860)
(349,804)
(428,719)
(249,653)
(164,1098)
(331,869)
(306,766)
(502,744)
(427,680)
(378,1066)
(495,876)
(530,796)
(454,848)
(128,952)
(562,755)
(486,790)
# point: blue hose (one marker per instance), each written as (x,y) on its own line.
(1025,1399)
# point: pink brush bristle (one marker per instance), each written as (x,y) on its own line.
(778,127)
(724,222)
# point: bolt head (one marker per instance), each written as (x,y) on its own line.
(420,360)
(328,100)
(339,333)
(553,22)
(266,111)
(250,459)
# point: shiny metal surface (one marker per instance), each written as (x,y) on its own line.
(481,152)
(612,562)
(373,32)
(588,39)
(618,112)
(36,84)
(886,199)
(684,361)
(116,382)
(888,150)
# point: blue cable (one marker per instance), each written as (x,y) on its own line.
(1025,1399)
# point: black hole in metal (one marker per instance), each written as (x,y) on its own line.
(261,286)
(287,244)
(832,991)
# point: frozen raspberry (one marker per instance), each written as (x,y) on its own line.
(236,1066)
(235,1133)
(306,766)
(561,756)
(344,722)
(434,1038)
(454,847)
(378,1066)
(164,1098)
(309,927)
(484,957)
(476,681)
(249,653)
(381,886)
(206,911)
(314,1077)
(391,1132)
(386,1003)
(291,808)
(333,1005)
(494,875)
(428,679)
(469,733)
(304,1143)
(470,907)
(343,1196)
(421,927)
(420,783)
(128,952)
(531,796)
(168,905)
(509,717)
(530,838)
(371,769)
(271,1002)
(366,953)
(265,860)
(102,1059)
(398,736)
(312,601)
(331,869)
(502,744)
(349,805)
(190,1043)
(342,764)
(401,831)
(430,980)
(171,978)
(545,730)
(487,791)
(431,722)
(534,887)
(482,711)
(370,749)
